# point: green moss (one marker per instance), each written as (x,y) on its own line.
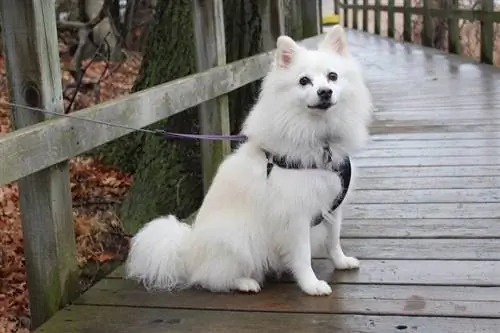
(70,286)
(47,302)
(243,39)
(167,173)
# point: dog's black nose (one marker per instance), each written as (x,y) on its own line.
(325,93)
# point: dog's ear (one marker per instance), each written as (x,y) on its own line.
(335,41)
(287,51)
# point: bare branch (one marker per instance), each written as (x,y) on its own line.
(80,78)
(90,24)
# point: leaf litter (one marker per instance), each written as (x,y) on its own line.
(96,189)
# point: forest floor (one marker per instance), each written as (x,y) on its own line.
(96,189)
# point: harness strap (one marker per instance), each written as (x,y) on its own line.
(344,171)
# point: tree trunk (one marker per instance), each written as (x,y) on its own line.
(293,18)
(243,39)
(167,174)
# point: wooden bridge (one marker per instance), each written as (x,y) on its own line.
(425,220)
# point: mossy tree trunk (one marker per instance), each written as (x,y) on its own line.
(167,173)
(243,39)
(243,19)
(293,18)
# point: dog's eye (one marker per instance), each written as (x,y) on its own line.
(304,81)
(332,76)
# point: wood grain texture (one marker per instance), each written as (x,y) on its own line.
(311,20)
(425,183)
(457,136)
(210,44)
(423,249)
(428,161)
(37,147)
(422,228)
(480,152)
(487,32)
(430,211)
(481,112)
(405,272)
(429,171)
(433,144)
(424,221)
(34,77)
(469,195)
(272,23)
(279,297)
(110,319)
(411,272)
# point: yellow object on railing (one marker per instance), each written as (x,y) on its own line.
(331,19)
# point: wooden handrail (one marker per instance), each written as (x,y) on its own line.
(485,15)
(36,154)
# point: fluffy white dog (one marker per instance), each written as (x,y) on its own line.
(257,217)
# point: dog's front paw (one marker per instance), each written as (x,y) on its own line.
(247,285)
(344,262)
(316,288)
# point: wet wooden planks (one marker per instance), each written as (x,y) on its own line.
(459,301)
(106,319)
(425,221)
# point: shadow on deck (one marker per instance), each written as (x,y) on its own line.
(425,221)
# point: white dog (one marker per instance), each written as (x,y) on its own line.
(312,112)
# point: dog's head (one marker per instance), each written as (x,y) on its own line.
(313,95)
(313,79)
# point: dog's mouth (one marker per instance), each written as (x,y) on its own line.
(321,106)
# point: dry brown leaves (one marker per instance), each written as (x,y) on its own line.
(96,190)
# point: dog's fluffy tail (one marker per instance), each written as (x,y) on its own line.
(155,254)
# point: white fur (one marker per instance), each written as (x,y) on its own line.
(250,224)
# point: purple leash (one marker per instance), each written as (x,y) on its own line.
(213,137)
(163,133)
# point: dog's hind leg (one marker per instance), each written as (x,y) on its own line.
(339,259)
(220,269)
(246,285)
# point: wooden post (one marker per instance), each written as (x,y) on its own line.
(487,38)
(276,20)
(453,30)
(292,14)
(211,52)
(347,18)
(268,40)
(33,71)
(321,15)
(355,14)
(407,21)
(272,22)
(337,11)
(311,20)
(365,16)
(278,11)
(427,33)
(390,18)
(376,29)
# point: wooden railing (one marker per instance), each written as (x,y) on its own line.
(484,13)
(36,154)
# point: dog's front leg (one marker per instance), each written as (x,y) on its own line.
(340,260)
(298,259)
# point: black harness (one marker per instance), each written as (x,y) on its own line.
(343,170)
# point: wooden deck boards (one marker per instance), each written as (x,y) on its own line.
(425,221)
